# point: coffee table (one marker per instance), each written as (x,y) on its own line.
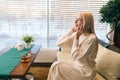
(22,68)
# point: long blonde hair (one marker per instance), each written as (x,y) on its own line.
(88,22)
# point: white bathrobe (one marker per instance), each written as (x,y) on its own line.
(83,53)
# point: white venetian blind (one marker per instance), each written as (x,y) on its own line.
(63,13)
(46,20)
(62,16)
(94,7)
(23,17)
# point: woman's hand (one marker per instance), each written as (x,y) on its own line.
(74,28)
(79,31)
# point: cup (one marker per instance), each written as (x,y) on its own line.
(25,58)
(20,47)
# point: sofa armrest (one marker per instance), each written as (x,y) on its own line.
(104,44)
(108,63)
(113,48)
(108,46)
(100,77)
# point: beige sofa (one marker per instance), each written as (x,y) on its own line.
(108,63)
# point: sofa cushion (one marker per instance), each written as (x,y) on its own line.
(108,63)
(46,56)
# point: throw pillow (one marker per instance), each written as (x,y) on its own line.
(108,63)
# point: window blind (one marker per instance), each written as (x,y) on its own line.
(63,13)
(24,17)
(94,7)
(62,16)
(46,20)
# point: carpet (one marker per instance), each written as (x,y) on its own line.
(40,73)
(43,57)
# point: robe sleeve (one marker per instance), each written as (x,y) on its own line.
(65,42)
(66,39)
(84,48)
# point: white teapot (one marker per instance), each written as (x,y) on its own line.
(20,46)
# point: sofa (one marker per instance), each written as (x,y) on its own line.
(107,62)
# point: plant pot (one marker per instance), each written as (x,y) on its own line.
(28,45)
(117,37)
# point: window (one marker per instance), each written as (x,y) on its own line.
(46,20)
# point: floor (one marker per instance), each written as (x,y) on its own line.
(40,73)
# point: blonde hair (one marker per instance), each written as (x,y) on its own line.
(88,22)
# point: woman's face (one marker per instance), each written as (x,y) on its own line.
(79,21)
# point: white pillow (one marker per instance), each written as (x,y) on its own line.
(108,63)
(46,56)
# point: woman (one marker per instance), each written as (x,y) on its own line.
(83,43)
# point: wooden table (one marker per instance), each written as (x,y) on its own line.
(22,68)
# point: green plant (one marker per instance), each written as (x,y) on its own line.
(28,39)
(110,13)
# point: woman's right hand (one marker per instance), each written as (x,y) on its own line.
(79,31)
(74,28)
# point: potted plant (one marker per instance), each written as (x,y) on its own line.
(110,13)
(28,39)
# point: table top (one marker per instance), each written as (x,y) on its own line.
(22,68)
